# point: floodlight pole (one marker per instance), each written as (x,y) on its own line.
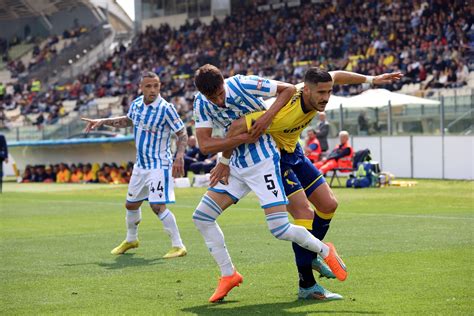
(341,118)
(441,116)
(389,118)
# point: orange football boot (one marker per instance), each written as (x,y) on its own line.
(226,283)
(335,263)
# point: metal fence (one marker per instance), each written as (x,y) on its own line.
(454,116)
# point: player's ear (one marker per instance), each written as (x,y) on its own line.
(306,90)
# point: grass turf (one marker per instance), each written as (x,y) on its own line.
(408,251)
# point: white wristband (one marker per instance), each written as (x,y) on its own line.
(369,79)
(224,161)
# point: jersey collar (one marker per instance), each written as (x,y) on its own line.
(154,103)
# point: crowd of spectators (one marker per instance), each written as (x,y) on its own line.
(428,41)
(43,51)
(78,173)
(418,38)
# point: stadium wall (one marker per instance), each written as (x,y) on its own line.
(120,149)
(431,157)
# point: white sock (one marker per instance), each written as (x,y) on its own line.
(132,219)
(170,226)
(281,228)
(205,220)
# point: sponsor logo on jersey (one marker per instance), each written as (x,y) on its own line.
(294,129)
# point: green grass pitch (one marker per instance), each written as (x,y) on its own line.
(408,251)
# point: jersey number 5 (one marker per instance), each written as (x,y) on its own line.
(268,180)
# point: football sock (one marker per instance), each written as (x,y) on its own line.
(281,228)
(304,258)
(321,223)
(133,218)
(170,227)
(204,218)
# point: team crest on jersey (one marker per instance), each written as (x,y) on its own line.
(259,84)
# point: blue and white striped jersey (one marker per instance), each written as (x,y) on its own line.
(152,126)
(243,95)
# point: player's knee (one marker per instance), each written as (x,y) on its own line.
(132,206)
(330,206)
(158,208)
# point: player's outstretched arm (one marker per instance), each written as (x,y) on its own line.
(285,92)
(178,164)
(346,77)
(120,121)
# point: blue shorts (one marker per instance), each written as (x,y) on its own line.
(299,173)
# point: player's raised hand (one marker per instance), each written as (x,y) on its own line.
(220,172)
(92,124)
(387,78)
(178,167)
(261,125)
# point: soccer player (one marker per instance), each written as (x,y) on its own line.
(153,120)
(301,178)
(253,167)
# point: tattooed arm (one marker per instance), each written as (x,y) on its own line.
(178,164)
(120,121)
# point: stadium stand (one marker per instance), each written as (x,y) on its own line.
(428,41)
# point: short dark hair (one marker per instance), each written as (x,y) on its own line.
(208,79)
(148,74)
(316,75)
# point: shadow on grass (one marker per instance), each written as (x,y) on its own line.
(122,261)
(282,308)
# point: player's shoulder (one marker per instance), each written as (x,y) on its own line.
(137,101)
(200,100)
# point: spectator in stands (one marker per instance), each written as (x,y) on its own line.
(103,177)
(124,175)
(340,157)
(204,163)
(89,175)
(423,41)
(363,123)
(39,174)
(27,175)
(64,174)
(191,155)
(312,147)
(3,157)
(76,173)
(116,174)
(322,132)
(50,176)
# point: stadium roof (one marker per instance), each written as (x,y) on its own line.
(18,9)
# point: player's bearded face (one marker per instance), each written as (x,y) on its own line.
(319,95)
(150,88)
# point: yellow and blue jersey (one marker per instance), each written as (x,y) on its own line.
(288,124)
(297,171)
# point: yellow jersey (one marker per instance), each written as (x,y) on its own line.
(288,124)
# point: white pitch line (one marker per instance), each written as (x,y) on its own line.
(258,208)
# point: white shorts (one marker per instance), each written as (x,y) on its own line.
(262,178)
(154,185)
